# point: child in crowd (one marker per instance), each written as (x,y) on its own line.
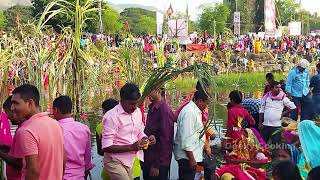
(270,79)
(289,152)
(106,106)
(286,170)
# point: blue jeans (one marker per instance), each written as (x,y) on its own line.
(305,106)
(316,104)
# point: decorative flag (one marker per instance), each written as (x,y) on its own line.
(84,116)
(17,20)
(294,28)
(169,11)
(205,34)
(126,23)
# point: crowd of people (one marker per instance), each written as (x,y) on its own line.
(58,147)
(296,141)
(284,49)
(55,146)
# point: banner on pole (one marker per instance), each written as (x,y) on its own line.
(236,17)
(236,28)
(294,28)
(159,22)
(178,28)
(236,23)
(270,17)
(261,34)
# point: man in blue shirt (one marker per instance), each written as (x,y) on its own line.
(315,86)
(297,87)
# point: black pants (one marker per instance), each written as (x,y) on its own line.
(186,173)
(268,133)
(163,173)
(256,118)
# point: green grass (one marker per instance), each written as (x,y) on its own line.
(184,84)
(248,82)
(244,81)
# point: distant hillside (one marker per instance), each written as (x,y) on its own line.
(124,6)
(114,6)
(141,21)
(4,4)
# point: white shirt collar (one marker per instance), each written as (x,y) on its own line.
(196,108)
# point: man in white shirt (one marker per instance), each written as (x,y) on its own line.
(188,145)
(271,112)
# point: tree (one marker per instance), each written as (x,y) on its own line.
(247,9)
(304,18)
(214,18)
(314,21)
(39,6)
(136,16)
(18,12)
(111,20)
(192,26)
(147,25)
(259,15)
(3,21)
(287,10)
(65,20)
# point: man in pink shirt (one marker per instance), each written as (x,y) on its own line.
(39,138)
(123,135)
(77,144)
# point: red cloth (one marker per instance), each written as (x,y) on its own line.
(235,117)
(146,47)
(84,116)
(205,34)
(239,174)
(126,23)
(197,47)
(143,116)
(46,82)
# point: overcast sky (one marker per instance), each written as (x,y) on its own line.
(180,5)
(177,5)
